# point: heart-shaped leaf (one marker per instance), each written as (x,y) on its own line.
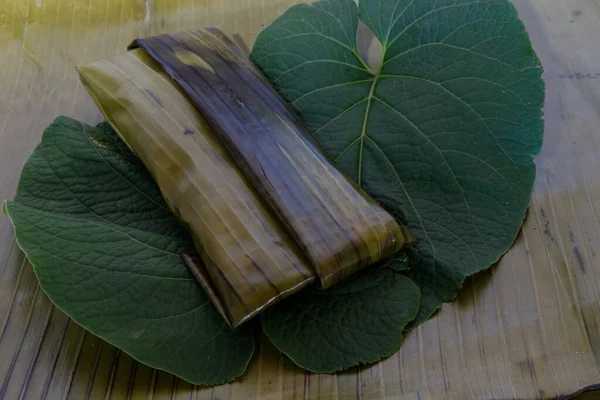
(105,249)
(443,132)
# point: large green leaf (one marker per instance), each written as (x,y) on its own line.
(105,249)
(443,132)
(359,320)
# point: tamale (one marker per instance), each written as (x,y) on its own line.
(339,227)
(250,260)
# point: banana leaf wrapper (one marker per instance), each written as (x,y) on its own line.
(248,260)
(338,226)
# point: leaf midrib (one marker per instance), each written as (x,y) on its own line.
(363,131)
(363,135)
(108,225)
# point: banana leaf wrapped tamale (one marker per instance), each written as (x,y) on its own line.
(250,261)
(338,226)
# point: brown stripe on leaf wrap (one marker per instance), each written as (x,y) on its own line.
(339,227)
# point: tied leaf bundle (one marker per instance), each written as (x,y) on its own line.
(238,208)
(338,226)
(250,261)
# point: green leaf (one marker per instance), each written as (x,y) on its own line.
(443,133)
(360,320)
(105,249)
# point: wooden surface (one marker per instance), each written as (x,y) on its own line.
(528,328)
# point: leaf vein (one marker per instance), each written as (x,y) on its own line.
(329,87)
(386,158)
(447,165)
(431,12)
(317,61)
